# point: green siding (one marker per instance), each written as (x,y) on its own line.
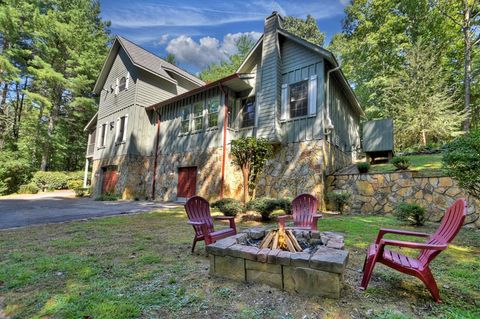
(378,135)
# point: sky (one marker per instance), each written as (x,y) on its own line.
(202,32)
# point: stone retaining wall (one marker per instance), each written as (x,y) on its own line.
(379,193)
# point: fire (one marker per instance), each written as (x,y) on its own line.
(282,241)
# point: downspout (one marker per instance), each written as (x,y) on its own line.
(157,142)
(224,155)
(329,125)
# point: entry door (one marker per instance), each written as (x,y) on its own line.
(110,178)
(187,182)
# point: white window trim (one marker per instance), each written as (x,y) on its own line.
(104,141)
(127,81)
(285,102)
(125,128)
(116,86)
(117,129)
(312,96)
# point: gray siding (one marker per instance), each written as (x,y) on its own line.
(172,140)
(378,135)
(345,120)
(299,63)
(152,89)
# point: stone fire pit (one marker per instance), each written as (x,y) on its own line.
(318,270)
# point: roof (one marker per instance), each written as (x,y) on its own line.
(327,55)
(92,121)
(145,60)
(235,80)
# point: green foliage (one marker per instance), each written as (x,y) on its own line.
(250,155)
(401,162)
(339,199)
(74,183)
(81,191)
(229,206)
(461,159)
(170,58)
(306,29)
(412,213)
(30,188)
(363,167)
(51,180)
(52,53)
(220,70)
(14,172)
(265,206)
(285,204)
(107,197)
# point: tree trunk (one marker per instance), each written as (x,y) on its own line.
(467,65)
(424,137)
(48,145)
(245,172)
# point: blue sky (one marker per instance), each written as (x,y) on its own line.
(201,32)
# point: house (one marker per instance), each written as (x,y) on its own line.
(171,139)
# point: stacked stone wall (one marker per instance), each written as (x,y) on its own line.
(380,193)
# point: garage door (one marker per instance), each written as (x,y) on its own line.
(110,178)
(187,182)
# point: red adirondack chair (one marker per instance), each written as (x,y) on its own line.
(418,267)
(198,212)
(304,213)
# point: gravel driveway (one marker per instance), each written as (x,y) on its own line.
(26,210)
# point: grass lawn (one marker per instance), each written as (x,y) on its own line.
(428,165)
(140,266)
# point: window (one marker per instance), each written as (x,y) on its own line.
(198,115)
(186,119)
(248,112)
(299,99)
(103,135)
(121,133)
(213,108)
(123,84)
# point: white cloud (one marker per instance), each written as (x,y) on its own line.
(163,39)
(207,50)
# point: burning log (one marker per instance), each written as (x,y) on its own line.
(281,239)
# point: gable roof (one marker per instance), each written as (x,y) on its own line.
(145,60)
(327,55)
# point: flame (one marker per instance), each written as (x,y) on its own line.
(282,243)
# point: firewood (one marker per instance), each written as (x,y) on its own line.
(275,240)
(268,239)
(290,246)
(294,241)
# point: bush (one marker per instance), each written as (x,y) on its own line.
(74,184)
(339,199)
(229,206)
(75,175)
(51,180)
(30,188)
(401,162)
(14,172)
(412,213)
(107,197)
(265,206)
(461,159)
(363,167)
(81,191)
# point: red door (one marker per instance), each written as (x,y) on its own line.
(110,178)
(187,182)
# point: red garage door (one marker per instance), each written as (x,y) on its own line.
(187,182)
(110,178)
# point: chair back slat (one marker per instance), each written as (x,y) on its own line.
(304,206)
(449,227)
(198,210)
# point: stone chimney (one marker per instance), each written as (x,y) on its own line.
(270,84)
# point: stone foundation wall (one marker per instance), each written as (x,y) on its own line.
(134,176)
(380,193)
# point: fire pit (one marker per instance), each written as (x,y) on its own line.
(302,261)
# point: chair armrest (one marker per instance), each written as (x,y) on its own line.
(281,220)
(203,226)
(190,222)
(384,231)
(230,219)
(408,244)
(316,217)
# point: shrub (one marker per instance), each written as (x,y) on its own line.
(14,172)
(401,162)
(51,180)
(229,206)
(339,199)
(75,175)
(412,213)
(107,197)
(363,167)
(81,191)
(461,159)
(265,206)
(30,188)
(74,184)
